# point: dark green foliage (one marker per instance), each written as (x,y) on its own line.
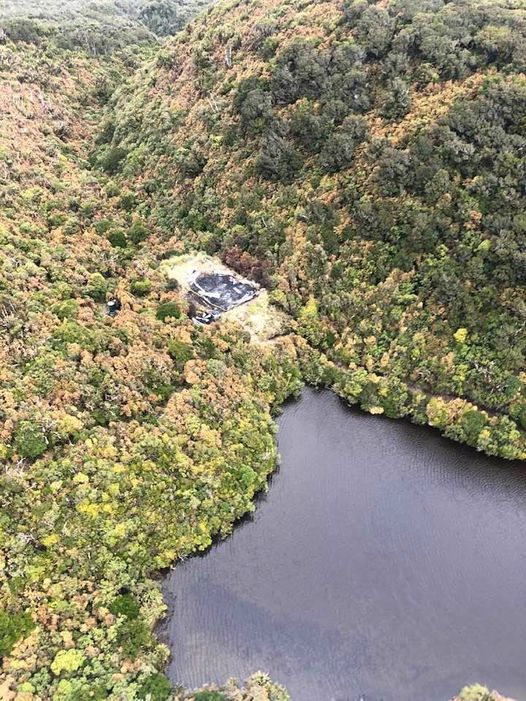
(138,232)
(375,29)
(309,128)
(161,16)
(398,101)
(30,440)
(106,133)
(127,201)
(95,692)
(278,159)
(301,71)
(13,627)
(256,109)
(472,423)
(253,103)
(172,284)
(167,310)
(180,353)
(156,687)
(140,288)
(103,226)
(209,696)
(125,605)
(190,160)
(118,238)
(339,150)
(99,29)
(112,159)
(133,636)
(97,287)
(24,30)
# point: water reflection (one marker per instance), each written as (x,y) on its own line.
(385,562)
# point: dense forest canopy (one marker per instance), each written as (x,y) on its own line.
(364,161)
(98,26)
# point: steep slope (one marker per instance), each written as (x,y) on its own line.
(129,442)
(366,162)
(125,442)
(100,26)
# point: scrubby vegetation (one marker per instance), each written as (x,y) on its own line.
(479,693)
(369,157)
(126,443)
(364,161)
(100,27)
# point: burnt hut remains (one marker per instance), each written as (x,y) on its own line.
(219,292)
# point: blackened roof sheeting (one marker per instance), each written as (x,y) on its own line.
(222,290)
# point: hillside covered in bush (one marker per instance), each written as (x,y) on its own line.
(366,162)
(98,27)
(127,442)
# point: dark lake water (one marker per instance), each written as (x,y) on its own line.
(385,561)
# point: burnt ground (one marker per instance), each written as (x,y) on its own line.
(221,290)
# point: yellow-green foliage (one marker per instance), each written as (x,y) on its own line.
(476,692)
(67,661)
(126,442)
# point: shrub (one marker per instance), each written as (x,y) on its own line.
(106,133)
(67,661)
(125,605)
(117,238)
(308,128)
(138,232)
(127,201)
(13,627)
(180,353)
(172,284)
(277,159)
(398,101)
(191,161)
(141,288)
(103,226)
(300,72)
(24,30)
(255,109)
(112,159)
(30,441)
(76,691)
(133,636)
(98,287)
(72,332)
(168,309)
(66,309)
(209,696)
(161,17)
(339,150)
(156,687)
(473,422)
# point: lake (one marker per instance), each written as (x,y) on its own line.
(385,562)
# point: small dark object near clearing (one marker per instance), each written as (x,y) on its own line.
(206,317)
(113,306)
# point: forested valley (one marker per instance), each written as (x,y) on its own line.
(363,161)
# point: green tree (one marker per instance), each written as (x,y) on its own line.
(13,627)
